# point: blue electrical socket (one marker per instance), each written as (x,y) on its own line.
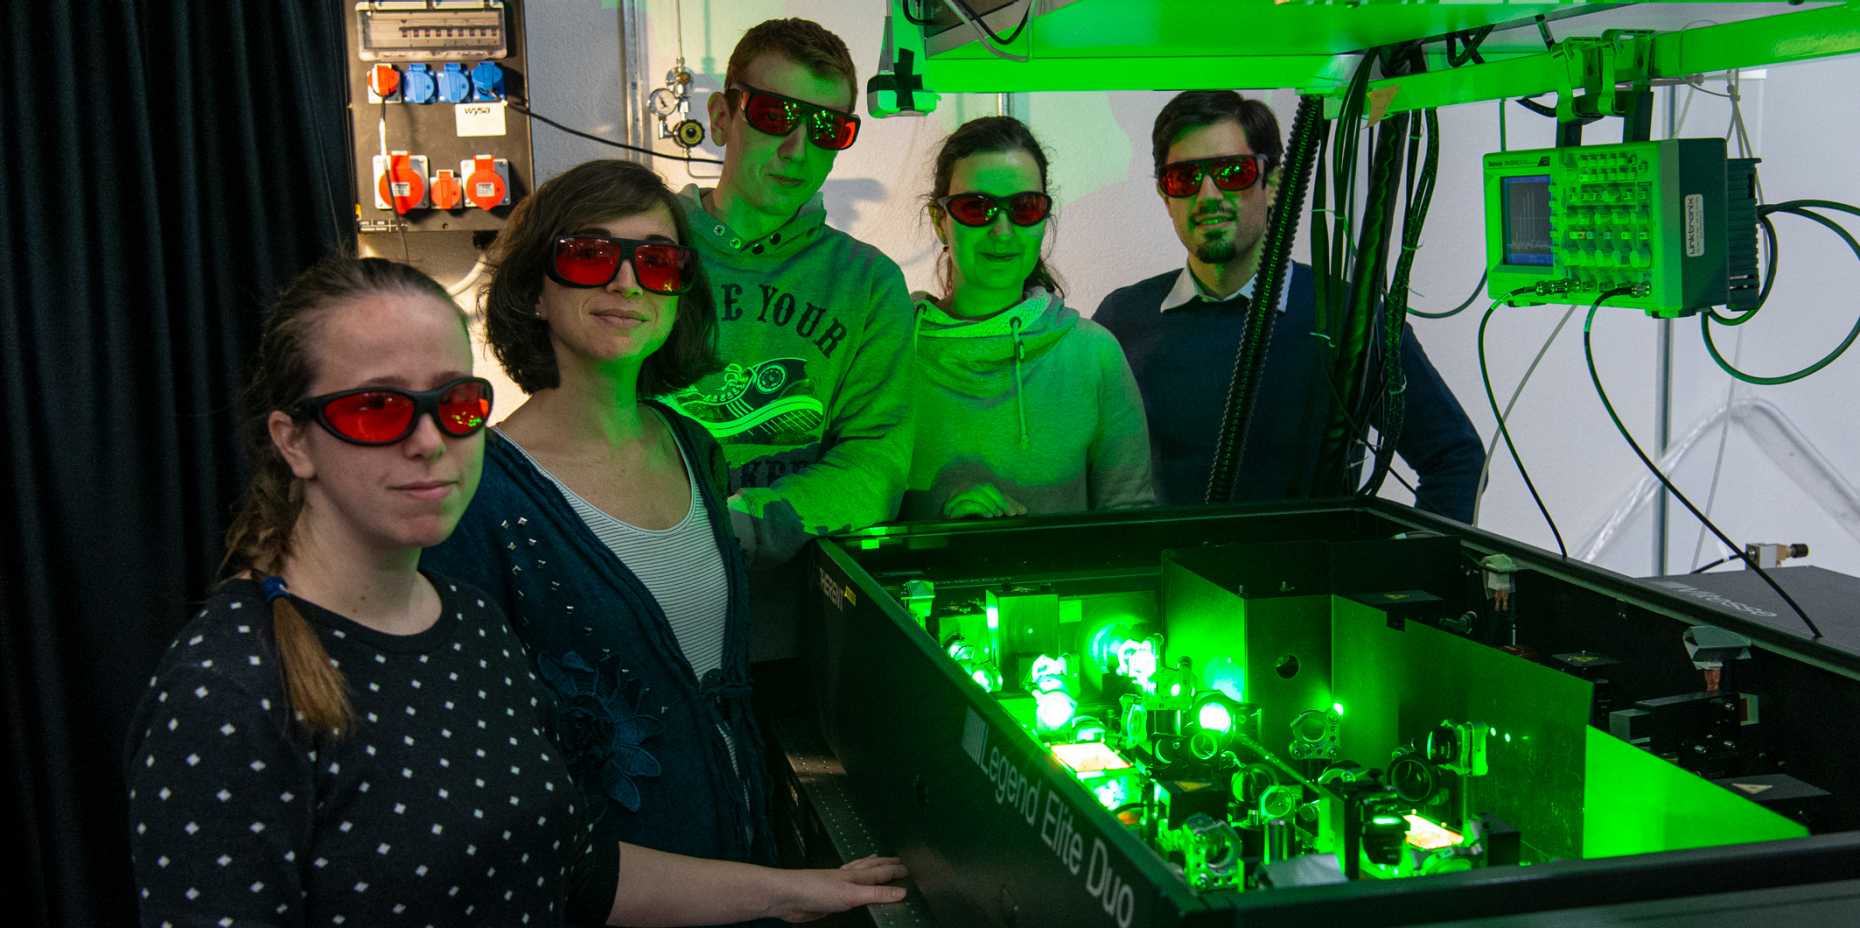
(487,82)
(417,85)
(454,86)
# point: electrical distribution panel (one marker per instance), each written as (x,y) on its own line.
(1315,717)
(436,146)
(1672,221)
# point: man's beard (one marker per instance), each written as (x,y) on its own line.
(1218,251)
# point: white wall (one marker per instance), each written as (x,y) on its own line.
(1111,231)
(1583,468)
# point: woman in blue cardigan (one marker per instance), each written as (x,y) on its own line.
(600,526)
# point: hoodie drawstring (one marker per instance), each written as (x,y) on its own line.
(1020,400)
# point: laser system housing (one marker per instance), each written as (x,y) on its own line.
(1313,712)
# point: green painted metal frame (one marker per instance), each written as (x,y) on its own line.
(1577,61)
(1801,35)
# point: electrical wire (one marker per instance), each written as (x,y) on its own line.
(1588,355)
(990,41)
(1791,205)
(1474,295)
(1717,464)
(686,158)
(1769,277)
(1485,377)
(1734,88)
(1491,448)
(678,18)
(1693,82)
(1357,428)
(1737,133)
(1696,83)
(1423,169)
(962,6)
(1705,567)
(1470,297)
(1706,319)
(387,168)
(1356,425)
(470,280)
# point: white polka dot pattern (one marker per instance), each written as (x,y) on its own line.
(413,817)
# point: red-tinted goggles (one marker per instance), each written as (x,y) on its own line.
(980,209)
(1231,172)
(387,415)
(774,114)
(594,261)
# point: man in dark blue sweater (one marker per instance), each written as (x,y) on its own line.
(1215,154)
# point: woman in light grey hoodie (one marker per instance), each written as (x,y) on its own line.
(1022,404)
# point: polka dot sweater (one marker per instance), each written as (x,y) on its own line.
(446,804)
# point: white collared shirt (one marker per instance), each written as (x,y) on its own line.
(1187,290)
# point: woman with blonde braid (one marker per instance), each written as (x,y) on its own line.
(340,739)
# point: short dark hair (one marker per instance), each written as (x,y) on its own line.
(989,135)
(803,41)
(1192,109)
(519,258)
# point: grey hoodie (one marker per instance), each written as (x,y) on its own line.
(1035,400)
(813,405)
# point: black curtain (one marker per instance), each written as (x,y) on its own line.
(167,167)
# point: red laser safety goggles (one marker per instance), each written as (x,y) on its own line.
(594,261)
(774,114)
(979,209)
(1179,179)
(387,415)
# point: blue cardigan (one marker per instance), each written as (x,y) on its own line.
(1184,359)
(635,723)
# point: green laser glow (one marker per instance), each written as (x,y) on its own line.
(1337,707)
(1214,716)
(1137,660)
(1048,673)
(1053,709)
(1112,793)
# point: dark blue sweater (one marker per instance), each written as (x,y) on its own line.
(1184,360)
(638,727)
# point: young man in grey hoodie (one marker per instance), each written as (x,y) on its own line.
(814,327)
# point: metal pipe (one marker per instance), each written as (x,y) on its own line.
(1663,391)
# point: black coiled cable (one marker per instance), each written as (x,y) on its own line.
(1275,257)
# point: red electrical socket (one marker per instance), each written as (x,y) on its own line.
(446,190)
(383,83)
(400,182)
(487,181)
